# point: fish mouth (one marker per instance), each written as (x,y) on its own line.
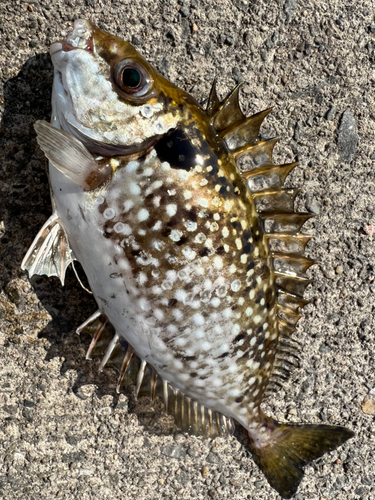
(79,38)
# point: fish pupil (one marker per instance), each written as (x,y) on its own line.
(131,78)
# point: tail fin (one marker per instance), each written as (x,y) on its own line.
(290,447)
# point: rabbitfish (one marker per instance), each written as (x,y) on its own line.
(198,267)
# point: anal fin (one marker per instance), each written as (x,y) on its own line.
(117,353)
(50,252)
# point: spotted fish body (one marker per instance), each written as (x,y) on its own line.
(148,197)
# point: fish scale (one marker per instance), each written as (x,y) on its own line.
(198,270)
(168,297)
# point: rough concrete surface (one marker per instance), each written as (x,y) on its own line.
(63,432)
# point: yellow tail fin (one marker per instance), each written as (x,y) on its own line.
(290,447)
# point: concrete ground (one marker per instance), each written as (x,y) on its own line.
(63,432)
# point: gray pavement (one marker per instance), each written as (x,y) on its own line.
(63,432)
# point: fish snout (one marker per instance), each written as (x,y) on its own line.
(79,38)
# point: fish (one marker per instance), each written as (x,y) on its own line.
(198,268)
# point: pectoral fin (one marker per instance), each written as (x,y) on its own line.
(71,157)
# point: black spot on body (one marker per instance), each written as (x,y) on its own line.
(247,248)
(182,240)
(239,337)
(223,181)
(204,252)
(176,149)
(190,286)
(252,283)
(224,355)
(259,341)
(257,237)
(172,302)
(220,250)
(247,234)
(269,297)
(239,399)
(166,232)
(193,374)
(214,170)
(191,214)
(174,221)
(266,272)
(237,225)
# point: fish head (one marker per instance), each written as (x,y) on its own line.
(108,96)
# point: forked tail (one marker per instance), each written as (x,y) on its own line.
(290,447)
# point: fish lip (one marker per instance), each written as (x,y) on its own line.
(80,38)
(64,46)
(56,47)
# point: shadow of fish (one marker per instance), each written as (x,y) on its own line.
(199,268)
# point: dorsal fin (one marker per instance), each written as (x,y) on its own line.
(268,177)
(273,200)
(240,133)
(284,223)
(213,100)
(227,113)
(260,153)
(246,132)
(288,243)
(275,206)
(291,265)
(189,415)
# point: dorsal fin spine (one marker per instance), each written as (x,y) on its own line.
(248,122)
(255,150)
(228,113)
(276,199)
(268,168)
(213,100)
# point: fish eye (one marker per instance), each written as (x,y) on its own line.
(132,79)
